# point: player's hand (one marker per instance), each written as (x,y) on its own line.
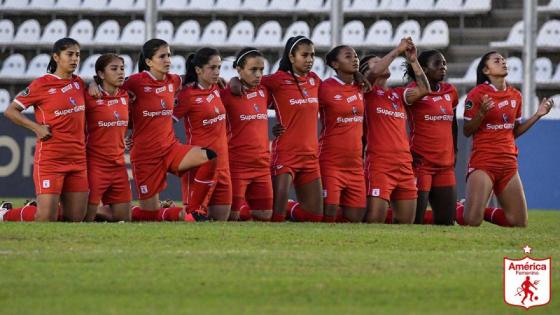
(278,130)
(404,44)
(487,105)
(411,52)
(128,142)
(545,107)
(236,86)
(43,132)
(362,81)
(94,91)
(222,83)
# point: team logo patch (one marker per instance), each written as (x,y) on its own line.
(468,104)
(123,100)
(442,109)
(527,281)
(77,85)
(46,183)
(312,81)
(513,103)
(117,116)
(170,87)
(375,192)
(25,92)
(162,103)
(261,93)
(72,101)
(354,110)
(447,97)
(256,107)
(505,117)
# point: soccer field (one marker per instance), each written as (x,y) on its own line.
(259,268)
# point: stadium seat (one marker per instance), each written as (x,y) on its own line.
(515,70)
(460,111)
(227,5)
(241,34)
(553,5)
(309,5)
(128,65)
(319,67)
(120,5)
(68,4)
(6,31)
(5,100)
(13,66)
(555,111)
(173,5)
(107,32)
(140,5)
(41,4)
(353,33)
(214,33)
(55,30)
(188,33)
(436,35)
(201,5)
(397,70)
(282,5)
(448,5)
(392,5)
(556,76)
(134,33)
(549,34)
(297,28)
(363,6)
(82,31)
(543,70)
(514,39)
(420,5)
(227,71)
(269,35)
(178,65)
(164,30)
(477,6)
(88,67)
(321,36)
(15,5)
(37,66)
(407,28)
(380,34)
(28,32)
(95,5)
(470,75)
(254,5)
(346,4)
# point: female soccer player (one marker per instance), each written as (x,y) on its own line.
(59,169)
(200,104)
(340,145)
(389,174)
(107,123)
(493,119)
(247,127)
(433,138)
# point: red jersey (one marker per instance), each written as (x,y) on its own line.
(60,104)
(151,113)
(296,109)
(430,123)
(247,129)
(205,120)
(494,141)
(342,117)
(107,122)
(387,139)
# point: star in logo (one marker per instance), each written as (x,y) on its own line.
(527,249)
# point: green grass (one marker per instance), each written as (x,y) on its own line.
(258,268)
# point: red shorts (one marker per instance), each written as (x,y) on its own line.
(500,177)
(150,176)
(108,184)
(256,191)
(390,181)
(56,180)
(221,192)
(303,168)
(344,188)
(428,176)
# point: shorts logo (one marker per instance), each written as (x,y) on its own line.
(144,189)
(325,193)
(468,104)
(46,183)
(375,192)
(527,281)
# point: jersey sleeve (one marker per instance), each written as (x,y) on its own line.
(183,101)
(472,105)
(129,85)
(31,95)
(177,81)
(454,97)
(519,110)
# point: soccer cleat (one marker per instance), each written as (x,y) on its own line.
(30,203)
(4,207)
(200,216)
(168,203)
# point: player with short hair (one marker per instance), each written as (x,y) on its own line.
(493,119)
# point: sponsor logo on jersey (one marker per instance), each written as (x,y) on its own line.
(513,103)
(354,110)
(390,113)
(505,125)
(447,97)
(352,98)
(112,102)
(198,100)
(436,98)
(117,116)
(505,117)
(147,89)
(503,104)
(52,91)
(72,101)
(301,101)
(66,88)
(338,97)
(123,100)
(216,109)
(99,102)
(380,92)
(425,98)
(353,119)
(442,109)
(395,95)
(261,93)
(170,87)
(395,106)
(304,91)
(64,112)
(116,123)
(288,82)
(243,117)
(209,98)
(468,104)
(161,89)
(211,121)
(438,117)
(165,112)
(256,107)
(77,85)
(312,81)
(251,95)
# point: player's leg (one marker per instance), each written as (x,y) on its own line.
(200,180)
(478,190)
(443,201)
(421,206)
(23,214)
(259,197)
(376,209)
(47,207)
(512,200)
(238,190)
(74,206)
(353,198)
(280,189)
(310,197)
(404,211)
(219,205)
(331,196)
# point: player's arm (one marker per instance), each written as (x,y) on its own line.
(471,125)
(422,87)
(386,60)
(14,113)
(544,108)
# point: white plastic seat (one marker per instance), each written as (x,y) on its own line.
(38,66)
(13,66)
(392,5)
(319,67)
(448,5)
(227,5)
(227,71)
(214,33)
(6,31)
(397,70)
(120,5)
(553,5)
(28,32)
(107,33)
(15,4)
(82,31)
(41,4)
(54,31)
(322,34)
(549,34)
(470,74)
(477,6)
(88,67)
(202,5)
(269,34)
(515,37)
(309,5)
(420,5)
(164,30)
(140,5)
(407,28)
(188,33)
(515,70)
(128,65)
(436,35)
(543,70)
(363,6)
(282,5)
(178,65)
(555,110)
(353,33)
(134,33)
(380,34)
(96,5)
(254,5)
(296,29)
(68,4)
(5,100)
(241,33)
(173,5)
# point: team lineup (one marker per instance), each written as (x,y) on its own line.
(382,155)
